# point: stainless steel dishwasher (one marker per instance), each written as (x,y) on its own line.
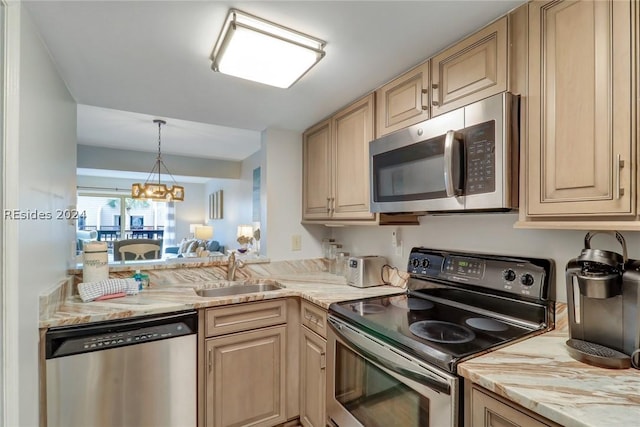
(125,373)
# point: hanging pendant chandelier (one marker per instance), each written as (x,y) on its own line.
(152,190)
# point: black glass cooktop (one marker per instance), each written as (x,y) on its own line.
(429,329)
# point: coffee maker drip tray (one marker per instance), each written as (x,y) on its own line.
(597,355)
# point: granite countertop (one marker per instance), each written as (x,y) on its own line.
(539,375)
(536,373)
(320,288)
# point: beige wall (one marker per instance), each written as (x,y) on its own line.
(491,233)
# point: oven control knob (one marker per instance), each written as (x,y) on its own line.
(509,275)
(425,263)
(415,262)
(526,279)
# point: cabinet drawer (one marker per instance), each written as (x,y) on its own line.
(490,412)
(314,318)
(242,317)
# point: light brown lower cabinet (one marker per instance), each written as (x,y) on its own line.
(246,378)
(246,363)
(313,379)
(486,409)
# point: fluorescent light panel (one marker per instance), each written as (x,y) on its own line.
(258,50)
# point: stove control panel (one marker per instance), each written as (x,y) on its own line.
(525,277)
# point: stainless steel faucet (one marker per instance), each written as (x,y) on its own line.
(232,265)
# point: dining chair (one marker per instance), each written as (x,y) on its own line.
(137,249)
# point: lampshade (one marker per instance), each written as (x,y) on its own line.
(192,228)
(203,232)
(254,49)
(156,190)
(245,231)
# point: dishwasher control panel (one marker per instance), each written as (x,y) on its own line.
(138,336)
(66,341)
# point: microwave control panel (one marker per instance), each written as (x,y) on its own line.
(480,142)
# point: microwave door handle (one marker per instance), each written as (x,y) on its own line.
(449,140)
(434,384)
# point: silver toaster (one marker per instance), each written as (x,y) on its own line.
(365,271)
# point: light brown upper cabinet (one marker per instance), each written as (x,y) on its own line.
(316,192)
(403,101)
(470,70)
(336,165)
(580,159)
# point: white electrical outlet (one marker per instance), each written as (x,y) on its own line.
(296,242)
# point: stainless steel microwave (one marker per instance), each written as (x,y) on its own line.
(463,160)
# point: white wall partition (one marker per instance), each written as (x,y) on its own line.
(282,187)
(40,139)
(4,330)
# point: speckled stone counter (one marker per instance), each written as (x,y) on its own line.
(539,375)
(174,290)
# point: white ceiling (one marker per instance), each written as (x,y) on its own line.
(127,62)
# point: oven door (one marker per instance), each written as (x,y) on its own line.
(373,385)
(420,168)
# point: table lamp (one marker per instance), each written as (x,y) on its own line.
(203,232)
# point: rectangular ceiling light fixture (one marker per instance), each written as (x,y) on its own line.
(254,49)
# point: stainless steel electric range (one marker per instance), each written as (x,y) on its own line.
(392,360)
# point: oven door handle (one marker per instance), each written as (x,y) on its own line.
(451,139)
(420,377)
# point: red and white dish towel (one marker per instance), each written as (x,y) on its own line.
(92,290)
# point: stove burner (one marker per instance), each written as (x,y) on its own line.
(412,303)
(367,308)
(442,332)
(485,324)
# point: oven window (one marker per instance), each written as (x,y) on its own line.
(374,397)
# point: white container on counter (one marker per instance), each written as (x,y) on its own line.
(95,262)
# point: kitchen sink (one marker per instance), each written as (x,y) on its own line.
(237,288)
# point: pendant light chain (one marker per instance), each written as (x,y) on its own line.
(159,191)
(159,159)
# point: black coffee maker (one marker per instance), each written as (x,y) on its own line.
(603,302)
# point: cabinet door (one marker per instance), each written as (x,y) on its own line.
(316,196)
(471,70)
(404,101)
(352,130)
(313,379)
(246,378)
(580,107)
